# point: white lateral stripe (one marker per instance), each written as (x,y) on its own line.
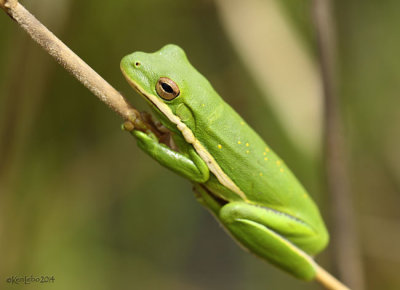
(190,138)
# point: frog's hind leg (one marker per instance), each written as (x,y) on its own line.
(253,227)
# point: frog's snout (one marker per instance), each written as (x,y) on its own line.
(127,62)
(133,60)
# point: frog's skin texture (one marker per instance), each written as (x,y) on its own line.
(247,187)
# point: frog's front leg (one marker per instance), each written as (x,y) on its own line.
(186,163)
(266,233)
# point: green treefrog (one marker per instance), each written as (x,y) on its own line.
(235,174)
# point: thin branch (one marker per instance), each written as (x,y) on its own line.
(344,235)
(329,282)
(74,64)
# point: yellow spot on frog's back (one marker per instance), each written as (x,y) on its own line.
(239,142)
(261,174)
(247,151)
(278,162)
(305,195)
(247,144)
(219,146)
(281,170)
(202,105)
(266,158)
(266,149)
(242,123)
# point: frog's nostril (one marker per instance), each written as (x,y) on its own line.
(137,64)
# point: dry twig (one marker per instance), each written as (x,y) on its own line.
(73,63)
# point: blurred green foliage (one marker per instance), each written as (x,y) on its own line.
(79,201)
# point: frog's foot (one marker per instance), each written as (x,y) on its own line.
(265,232)
(133,122)
(147,117)
(128,126)
(163,134)
(155,129)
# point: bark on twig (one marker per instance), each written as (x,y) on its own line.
(328,281)
(74,64)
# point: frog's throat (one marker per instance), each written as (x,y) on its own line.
(190,138)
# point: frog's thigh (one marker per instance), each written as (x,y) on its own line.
(260,239)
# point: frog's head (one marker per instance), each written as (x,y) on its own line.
(165,78)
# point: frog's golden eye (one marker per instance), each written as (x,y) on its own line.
(167,88)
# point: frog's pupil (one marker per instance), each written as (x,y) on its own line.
(167,88)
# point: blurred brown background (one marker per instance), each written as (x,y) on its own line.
(80,201)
